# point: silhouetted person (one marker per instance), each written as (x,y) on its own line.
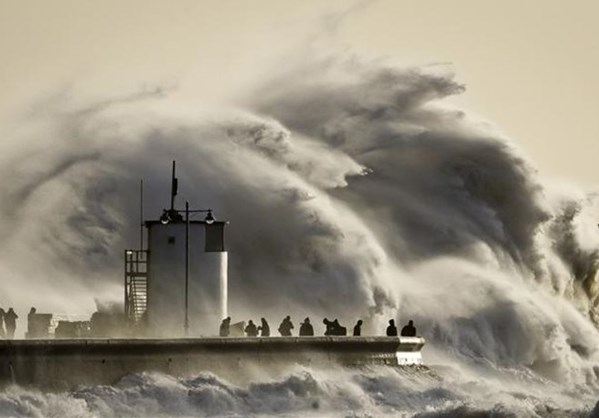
(358,328)
(224,327)
(391,329)
(338,329)
(306,329)
(31,323)
(264,328)
(329,327)
(333,327)
(286,327)
(251,330)
(2,329)
(10,320)
(409,330)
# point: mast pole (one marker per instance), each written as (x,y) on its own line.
(173,187)
(141,214)
(186,268)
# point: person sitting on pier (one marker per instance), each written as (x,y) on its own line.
(409,330)
(333,327)
(264,328)
(391,329)
(2,330)
(224,327)
(329,327)
(338,329)
(286,327)
(358,328)
(10,320)
(306,329)
(251,330)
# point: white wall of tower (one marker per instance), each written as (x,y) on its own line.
(208,282)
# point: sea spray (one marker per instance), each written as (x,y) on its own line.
(305,392)
(353,191)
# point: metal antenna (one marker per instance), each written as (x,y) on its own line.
(174,187)
(141,214)
(187,259)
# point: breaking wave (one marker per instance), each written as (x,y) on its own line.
(406,393)
(353,190)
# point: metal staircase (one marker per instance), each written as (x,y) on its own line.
(136,284)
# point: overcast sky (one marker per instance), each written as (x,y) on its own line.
(529,66)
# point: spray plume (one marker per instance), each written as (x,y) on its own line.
(353,190)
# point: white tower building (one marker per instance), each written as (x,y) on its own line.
(201,300)
(178,286)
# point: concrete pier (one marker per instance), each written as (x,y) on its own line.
(62,364)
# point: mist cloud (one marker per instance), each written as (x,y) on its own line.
(353,190)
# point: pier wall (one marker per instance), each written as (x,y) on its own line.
(62,364)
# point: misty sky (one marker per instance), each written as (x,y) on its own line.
(529,66)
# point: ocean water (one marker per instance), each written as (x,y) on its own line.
(408,392)
(354,190)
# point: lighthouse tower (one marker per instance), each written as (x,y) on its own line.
(185,273)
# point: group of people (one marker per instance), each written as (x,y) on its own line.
(306,329)
(251,330)
(407,331)
(8,323)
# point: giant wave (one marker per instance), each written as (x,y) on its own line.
(353,190)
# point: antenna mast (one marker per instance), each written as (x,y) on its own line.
(174,187)
(141,214)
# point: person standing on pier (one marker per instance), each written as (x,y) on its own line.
(286,327)
(10,320)
(391,329)
(250,329)
(306,329)
(358,328)
(329,327)
(264,328)
(409,330)
(224,327)
(2,329)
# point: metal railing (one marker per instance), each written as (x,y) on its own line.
(136,284)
